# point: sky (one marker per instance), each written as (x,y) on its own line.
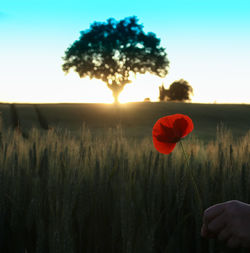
(207,43)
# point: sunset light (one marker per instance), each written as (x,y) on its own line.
(144,86)
(212,55)
(124,126)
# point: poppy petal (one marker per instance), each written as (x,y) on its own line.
(163,147)
(163,133)
(183,126)
(169,120)
(168,130)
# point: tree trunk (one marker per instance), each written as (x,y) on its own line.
(116,90)
(116,100)
(116,96)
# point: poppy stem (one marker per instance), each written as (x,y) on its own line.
(185,154)
(196,189)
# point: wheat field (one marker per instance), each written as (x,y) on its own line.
(109,193)
(136,119)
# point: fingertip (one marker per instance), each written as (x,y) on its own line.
(204,231)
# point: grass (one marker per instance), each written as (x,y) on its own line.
(110,193)
(137,119)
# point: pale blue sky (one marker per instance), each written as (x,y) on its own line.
(208,44)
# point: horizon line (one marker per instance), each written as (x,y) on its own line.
(146,102)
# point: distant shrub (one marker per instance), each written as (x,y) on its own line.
(179,90)
(163,93)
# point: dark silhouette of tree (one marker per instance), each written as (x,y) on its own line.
(112,51)
(179,91)
(163,93)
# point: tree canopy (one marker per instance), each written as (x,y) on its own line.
(178,91)
(112,51)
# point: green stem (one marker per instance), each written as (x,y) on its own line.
(185,154)
(197,192)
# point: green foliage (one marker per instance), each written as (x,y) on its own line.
(113,50)
(107,194)
(136,119)
(163,93)
(180,91)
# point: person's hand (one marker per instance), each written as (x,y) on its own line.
(228,222)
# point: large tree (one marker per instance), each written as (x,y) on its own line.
(114,50)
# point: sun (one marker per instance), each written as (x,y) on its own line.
(143,86)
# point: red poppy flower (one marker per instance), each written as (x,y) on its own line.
(168,130)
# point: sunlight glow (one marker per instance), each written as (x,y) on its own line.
(212,54)
(67,89)
(142,86)
(56,87)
